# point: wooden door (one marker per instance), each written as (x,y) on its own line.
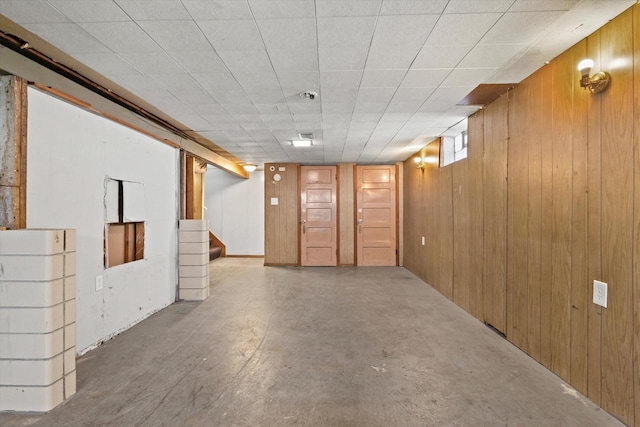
(318,213)
(376,215)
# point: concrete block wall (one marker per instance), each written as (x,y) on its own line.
(37,319)
(193,259)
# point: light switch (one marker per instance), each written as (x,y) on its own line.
(99,283)
(274,201)
(423,241)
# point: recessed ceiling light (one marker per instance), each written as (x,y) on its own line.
(302,143)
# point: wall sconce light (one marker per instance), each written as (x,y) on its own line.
(596,83)
(419,161)
(249,167)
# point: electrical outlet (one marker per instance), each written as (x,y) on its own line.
(600,293)
(99,283)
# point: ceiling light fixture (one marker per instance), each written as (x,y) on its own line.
(302,143)
(596,83)
(309,95)
(249,167)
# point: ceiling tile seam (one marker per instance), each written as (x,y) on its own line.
(315,13)
(364,67)
(273,68)
(405,76)
(226,67)
(471,50)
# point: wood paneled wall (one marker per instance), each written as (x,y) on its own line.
(281,220)
(547,201)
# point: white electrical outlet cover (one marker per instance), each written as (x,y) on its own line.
(600,293)
(99,283)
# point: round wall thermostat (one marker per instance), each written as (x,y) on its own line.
(276,177)
(272,168)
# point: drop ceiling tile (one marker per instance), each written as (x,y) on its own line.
(273,9)
(252,81)
(239,108)
(265,96)
(217,82)
(121,37)
(30,12)
(338,107)
(199,61)
(90,10)
(290,34)
(304,107)
(338,95)
(217,9)
(469,76)
(425,78)
(413,94)
(68,37)
(342,58)
(294,60)
(105,63)
(340,79)
(135,82)
(347,8)
(246,60)
(229,96)
(382,78)
(542,5)
(389,57)
(152,62)
(519,27)
(491,56)
(450,95)
(432,56)
(346,32)
(248,118)
(153,10)
(412,7)
(365,117)
(253,126)
(335,121)
(475,6)
(461,29)
(272,108)
(176,36)
(232,34)
(395,117)
(370,107)
(299,81)
(370,126)
(399,106)
(210,108)
(403,31)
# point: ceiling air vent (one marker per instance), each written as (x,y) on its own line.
(306,135)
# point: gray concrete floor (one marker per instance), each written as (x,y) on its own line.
(315,347)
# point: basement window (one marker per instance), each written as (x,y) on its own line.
(125,227)
(453,148)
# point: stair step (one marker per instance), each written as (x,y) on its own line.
(214,253)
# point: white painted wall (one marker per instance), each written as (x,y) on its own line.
(70,153)
(235,210)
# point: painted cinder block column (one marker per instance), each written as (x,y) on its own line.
(37,319)
(193,259)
